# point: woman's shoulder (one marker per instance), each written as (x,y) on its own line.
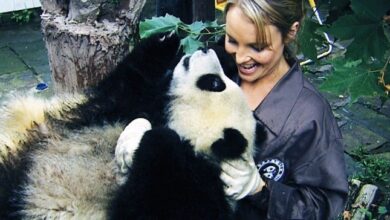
(313,107)
(312,100)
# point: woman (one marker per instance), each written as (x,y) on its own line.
(299,172)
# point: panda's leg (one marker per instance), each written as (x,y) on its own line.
(231,146)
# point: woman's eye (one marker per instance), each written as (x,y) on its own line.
(231,41)
(257,48)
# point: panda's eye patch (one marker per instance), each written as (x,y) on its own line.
(211,82)
(186,62)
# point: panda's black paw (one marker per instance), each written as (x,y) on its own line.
(231,146)
(164,42)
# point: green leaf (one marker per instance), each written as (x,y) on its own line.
(309,39)
(158,25)
(212,24)
(338,3)
(190,44)
(373,44)
(364,84)
(350,26)
(382,210)
(374,9)
(352,78)
(368,36)
(196,27)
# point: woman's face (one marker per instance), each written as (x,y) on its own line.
(253,62)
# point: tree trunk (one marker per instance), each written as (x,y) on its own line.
(86,39)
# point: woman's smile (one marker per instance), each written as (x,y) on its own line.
(248,69)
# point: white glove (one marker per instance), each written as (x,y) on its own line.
(128,142)
(241,178)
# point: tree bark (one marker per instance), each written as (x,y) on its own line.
(85,40)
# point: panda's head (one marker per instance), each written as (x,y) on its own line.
(205,103)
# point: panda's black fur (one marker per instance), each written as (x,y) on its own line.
(169,179)
(171,182)
(137,87)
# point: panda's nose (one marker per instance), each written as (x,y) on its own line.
(204,50)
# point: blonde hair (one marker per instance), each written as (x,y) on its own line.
(280,13)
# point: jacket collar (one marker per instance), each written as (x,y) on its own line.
(277,105)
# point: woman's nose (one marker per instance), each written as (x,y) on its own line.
(241,56)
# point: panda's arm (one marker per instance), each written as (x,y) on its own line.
(231,146)
(153,56)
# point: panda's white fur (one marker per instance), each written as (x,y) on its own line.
(73,174)
(201,116)
(21,114)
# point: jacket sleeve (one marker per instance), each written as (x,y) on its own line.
(315,188)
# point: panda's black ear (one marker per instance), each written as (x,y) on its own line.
(231,146)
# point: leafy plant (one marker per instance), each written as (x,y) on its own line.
(375,170)
(193,36)
(22,16)
(363,25)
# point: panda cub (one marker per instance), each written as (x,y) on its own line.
(59,160)
(174,173)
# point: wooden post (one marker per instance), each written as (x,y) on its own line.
(187,10)
(86,39)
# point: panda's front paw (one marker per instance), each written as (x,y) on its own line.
(231,146)
(128,142)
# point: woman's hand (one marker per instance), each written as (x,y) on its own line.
(241,178)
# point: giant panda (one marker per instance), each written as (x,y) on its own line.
(58,156)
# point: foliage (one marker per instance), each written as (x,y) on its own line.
(19,17)
(22,16)
(193,35)
(375,170)
(362,26)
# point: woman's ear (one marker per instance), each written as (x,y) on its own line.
(292,34)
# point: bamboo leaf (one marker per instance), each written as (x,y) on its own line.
(158,25)
(190,44)
(196,27)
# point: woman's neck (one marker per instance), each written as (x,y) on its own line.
(256,91)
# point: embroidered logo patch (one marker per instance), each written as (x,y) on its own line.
(271,169)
